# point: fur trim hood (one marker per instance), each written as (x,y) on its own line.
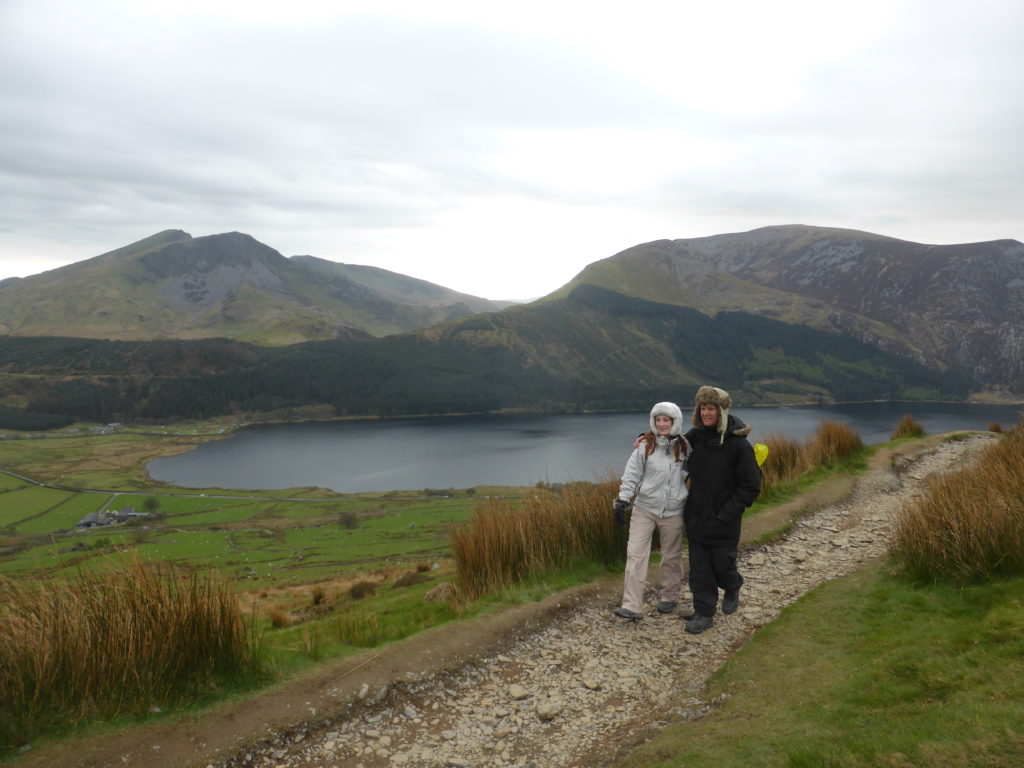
(673,412)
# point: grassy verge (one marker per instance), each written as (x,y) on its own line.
(969,526)
(116,644)
(509,542)
(868,671)
(794,465)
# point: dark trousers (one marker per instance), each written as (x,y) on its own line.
(711,568)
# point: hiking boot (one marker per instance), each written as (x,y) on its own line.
(731,601)
(666,606)
(698,624)
(625,613)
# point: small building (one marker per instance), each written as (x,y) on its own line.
(93,520)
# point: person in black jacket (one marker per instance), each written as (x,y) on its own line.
(725,480)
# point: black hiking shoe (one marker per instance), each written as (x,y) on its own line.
(731,601)
(625,613)
(666,606)
(698,624)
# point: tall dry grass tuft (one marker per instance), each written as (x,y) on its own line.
(833,443)
(508,539)
(115,644)
(969,524)
(787,460)
(908,427)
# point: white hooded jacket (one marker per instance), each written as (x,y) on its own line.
(658,481)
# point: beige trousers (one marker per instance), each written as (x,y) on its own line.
(638,554)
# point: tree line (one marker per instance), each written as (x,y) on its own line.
(594,350)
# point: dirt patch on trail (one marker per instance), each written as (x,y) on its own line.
(571,630)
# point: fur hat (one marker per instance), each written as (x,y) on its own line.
(673,412)
(717,397)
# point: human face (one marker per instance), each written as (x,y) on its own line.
(663,424)
(708,414)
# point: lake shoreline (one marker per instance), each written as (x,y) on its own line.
(506,449)
(588,412)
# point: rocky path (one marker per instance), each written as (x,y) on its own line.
(578,690)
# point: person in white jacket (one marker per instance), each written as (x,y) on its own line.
(654,484)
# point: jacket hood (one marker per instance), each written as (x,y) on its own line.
(737,428)
(673,412)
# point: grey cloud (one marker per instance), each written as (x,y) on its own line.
(372,123)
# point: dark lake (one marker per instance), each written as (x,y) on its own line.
(464,451)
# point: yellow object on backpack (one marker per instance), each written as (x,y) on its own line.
(760,453)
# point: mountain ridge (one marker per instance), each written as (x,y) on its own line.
(959,306)
(780,315)
(172,285)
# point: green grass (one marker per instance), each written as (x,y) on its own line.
(188,505)
(262,541)
(21,504)
(8,483)
(393,614)
(868,671)
(216,515)
(64,515)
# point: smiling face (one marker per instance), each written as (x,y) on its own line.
(708,414)
(662,424)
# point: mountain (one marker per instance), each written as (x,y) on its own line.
(172,285)
(777,315)
(950,307)
(392,302)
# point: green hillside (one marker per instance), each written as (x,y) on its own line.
(591,350)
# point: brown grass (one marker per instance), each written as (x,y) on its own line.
(969,524)
(832,443)
(908,427)
(115,644)
(278,618)
(362,589)
(787,460)
(509,539)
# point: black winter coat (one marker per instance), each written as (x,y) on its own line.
(725,480)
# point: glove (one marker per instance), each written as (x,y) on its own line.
(621,508)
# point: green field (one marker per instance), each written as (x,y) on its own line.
(256,538)
(8,483)
(28,502)
(64,515)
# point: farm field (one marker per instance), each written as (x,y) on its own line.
(256,539)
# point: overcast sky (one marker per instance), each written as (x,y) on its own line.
(498,148)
